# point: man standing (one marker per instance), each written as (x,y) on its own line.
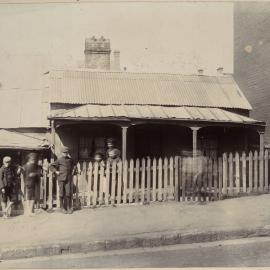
(8,178)
(64,168)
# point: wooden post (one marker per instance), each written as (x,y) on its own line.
(124,143)
(50,175)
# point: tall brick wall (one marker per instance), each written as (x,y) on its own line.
(252,56)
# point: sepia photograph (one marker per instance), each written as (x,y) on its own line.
(134,134)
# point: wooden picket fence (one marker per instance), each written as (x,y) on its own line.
(165,179)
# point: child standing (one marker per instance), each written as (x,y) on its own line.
(8,177)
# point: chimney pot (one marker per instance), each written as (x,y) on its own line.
(200,71)
(220,71)
(116,63)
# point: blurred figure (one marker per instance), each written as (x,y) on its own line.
(32,172)
(114,155)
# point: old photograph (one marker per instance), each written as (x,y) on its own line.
(134,134)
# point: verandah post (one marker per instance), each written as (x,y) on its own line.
(124,142)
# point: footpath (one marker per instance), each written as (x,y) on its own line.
(130,226)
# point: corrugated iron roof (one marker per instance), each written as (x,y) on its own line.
(91,111)
(89,87)
(23,108)
(16,140)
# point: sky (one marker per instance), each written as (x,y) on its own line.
(175,37)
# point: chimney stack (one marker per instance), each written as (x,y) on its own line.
(97,53)
(116,62)
(200,72)
(220,71)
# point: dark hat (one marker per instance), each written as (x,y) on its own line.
(65,149)
(110,140)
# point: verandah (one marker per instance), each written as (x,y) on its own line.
(151,180)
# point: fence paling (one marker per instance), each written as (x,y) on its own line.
(159,179)
(225,174)
(215,169)
(237,173)
(250,171)
(255,171)
(90,182)
(154,180)
(176,179)
(266,170)
(125,175)
(148,182)
(137,177)
(107,189)
(131,179)
(261,172)
(231,182)
(220,178)
(244,170)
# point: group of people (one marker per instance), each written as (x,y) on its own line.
(9,181)
(63,167)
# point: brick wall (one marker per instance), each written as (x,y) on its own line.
(252,56)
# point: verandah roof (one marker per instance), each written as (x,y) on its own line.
(17,140)
(91,111)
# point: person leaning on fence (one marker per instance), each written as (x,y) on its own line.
(98,158)
(64,167)
(8,180)
(32,172)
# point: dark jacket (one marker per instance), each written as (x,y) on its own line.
(8,176)
(65,166)
(32,173)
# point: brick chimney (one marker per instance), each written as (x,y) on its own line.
(97,53)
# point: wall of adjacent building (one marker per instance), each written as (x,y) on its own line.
(252,56)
